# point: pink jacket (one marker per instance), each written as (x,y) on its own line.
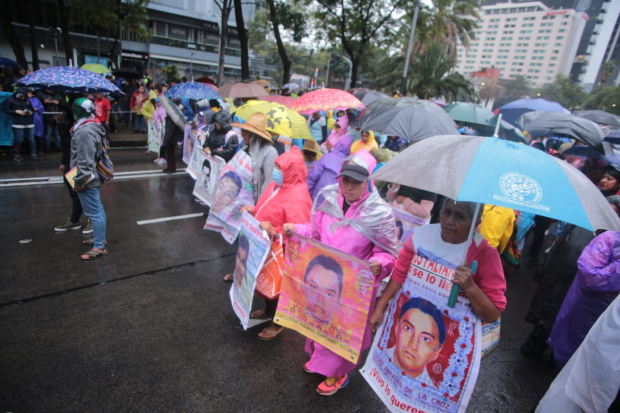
(159,116)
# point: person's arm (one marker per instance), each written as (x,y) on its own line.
(229,149)
(482,305)
(423,209)
(599,266)
(269,163)
(86,152)
(314,175)
(392,192)
(109,107)
(323,128)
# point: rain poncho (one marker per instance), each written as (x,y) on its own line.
(159,116)
(289,202)
(360,145)
(497,226)
(325,171)
(148,108)
(331,121)
(38,116)
(222,142)
(595,286)
(187,110)
(367,231)
(336,136)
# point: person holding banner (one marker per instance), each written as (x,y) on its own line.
(286,199)
(221,140)
(444,243)
(352,217)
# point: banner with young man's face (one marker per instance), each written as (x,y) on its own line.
(325,295)
(406,223)
(190,137)
(425,355)
(155,136)
(234,190)
(208,172)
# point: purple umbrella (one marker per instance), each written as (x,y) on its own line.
(513,110)
(68,79)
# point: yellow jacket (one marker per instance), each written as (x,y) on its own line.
(497,226)
(148,110)
(331,122)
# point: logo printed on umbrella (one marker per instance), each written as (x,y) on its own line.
(520,189)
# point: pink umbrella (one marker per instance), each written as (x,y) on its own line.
(243,90)
(326,99)
(280,100)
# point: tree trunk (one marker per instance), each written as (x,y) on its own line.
(286,62)
(243,39)
(223,42)
(14,41)
(355,65)
(65,17)
(34,45)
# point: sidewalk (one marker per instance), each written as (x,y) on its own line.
(124,137)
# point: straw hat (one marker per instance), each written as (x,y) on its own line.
(256,123)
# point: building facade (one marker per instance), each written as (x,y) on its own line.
(527,38)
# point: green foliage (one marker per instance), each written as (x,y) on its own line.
(96,14)
(563,91)
(490,90)
(607,70)
(517,88)
(171,74)
(605,98)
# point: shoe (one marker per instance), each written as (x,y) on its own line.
(34,157)
(156,160)
(18,158)
(307,370)
(162,161)
(331,385)
(88,229)
(147,152)
(136,131)
(68,225)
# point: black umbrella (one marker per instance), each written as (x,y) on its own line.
(127,74)
(599,116)
(369,96)
(569,125)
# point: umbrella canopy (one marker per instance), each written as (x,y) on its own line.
(206,79)
(409,118)
(497,172)
(192,90)
(572,126)
(583,151)
(599,116)
(439,102)
(613,137)
(291,86)
(279,99)
(127,73)
(513,110)
(173,112)
(506,131)
(280,119)
(261,82)
(469,113)
(242,90)
(322,100)
(4,62)
(68,79)
(95,68)
(369,96)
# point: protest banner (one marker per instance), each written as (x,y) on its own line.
(234,190)
(206,181)
(155,136)
(425,356)
(406,223)
(254,244)
(325,295)
(195,161)
(189,141)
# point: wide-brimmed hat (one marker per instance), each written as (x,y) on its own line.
(256,123)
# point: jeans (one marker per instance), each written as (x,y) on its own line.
(24,133)
(49,129)
(140,123)
(93,209)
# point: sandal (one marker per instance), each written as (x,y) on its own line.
(91,241)
(228,278)
(258,314)
(267,335)
(92,254)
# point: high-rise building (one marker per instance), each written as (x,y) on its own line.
(525,38)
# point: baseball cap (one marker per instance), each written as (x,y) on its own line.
(355,167)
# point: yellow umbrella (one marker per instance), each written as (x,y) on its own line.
(280,119)
(95,68)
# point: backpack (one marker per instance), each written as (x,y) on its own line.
(105,167)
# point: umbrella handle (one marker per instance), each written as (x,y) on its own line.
(454,293)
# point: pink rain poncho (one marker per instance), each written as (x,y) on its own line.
(367,231)
(336,136)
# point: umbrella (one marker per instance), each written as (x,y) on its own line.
(95,68)
(506,131)
(409,118)
(599,116)
(68,78)
(613,137)
(369,96)
(291,86)
(279,99)
(192,90)
(469,113)
(439,102)
(206,79)
(498,172)
(572,126)
(260,82)
(127,74)
(173,112)
(326,99)
(511,111)
(280,119)
(242,90)
(4,62)
(583,151)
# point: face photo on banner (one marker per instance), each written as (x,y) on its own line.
(325,295)
(189,142)
(198,154)
(406,223)
(155,136)
(206,181)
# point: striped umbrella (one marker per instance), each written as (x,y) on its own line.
(326,99)
(280,119)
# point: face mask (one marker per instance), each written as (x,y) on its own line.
(277,177)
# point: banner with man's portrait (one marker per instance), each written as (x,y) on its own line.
(198,154)
(254,245)
(234,190)
(325,295)
(207,174)
(190,138)
(406,223)
(426,355)
(155,136)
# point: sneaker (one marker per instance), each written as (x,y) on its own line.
(88,229)
(67,226)
(307,370)
(34,157)
(156,160)
(331,385)
(18,158)
(162,161)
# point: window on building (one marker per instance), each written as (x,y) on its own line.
(564,24)
(159,29)
(526,31)
(551,64)
(177,32)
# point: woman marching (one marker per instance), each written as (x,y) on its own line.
(351,217)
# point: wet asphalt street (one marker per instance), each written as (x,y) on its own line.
(150,328)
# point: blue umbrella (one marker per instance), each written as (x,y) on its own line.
(613,137)
(4,62)
(68,79)
(513,110)
(192,90)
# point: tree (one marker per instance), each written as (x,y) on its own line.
(225,7)
(490,90)
(354,24)
(451,21)
(517,88)
(428,76)
(65,21)
(14,41)
(605,98)
(243,40)
(563,91)
(171,74)
(607,70)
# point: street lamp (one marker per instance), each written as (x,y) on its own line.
(403,82)
(191,66)
(348,82)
